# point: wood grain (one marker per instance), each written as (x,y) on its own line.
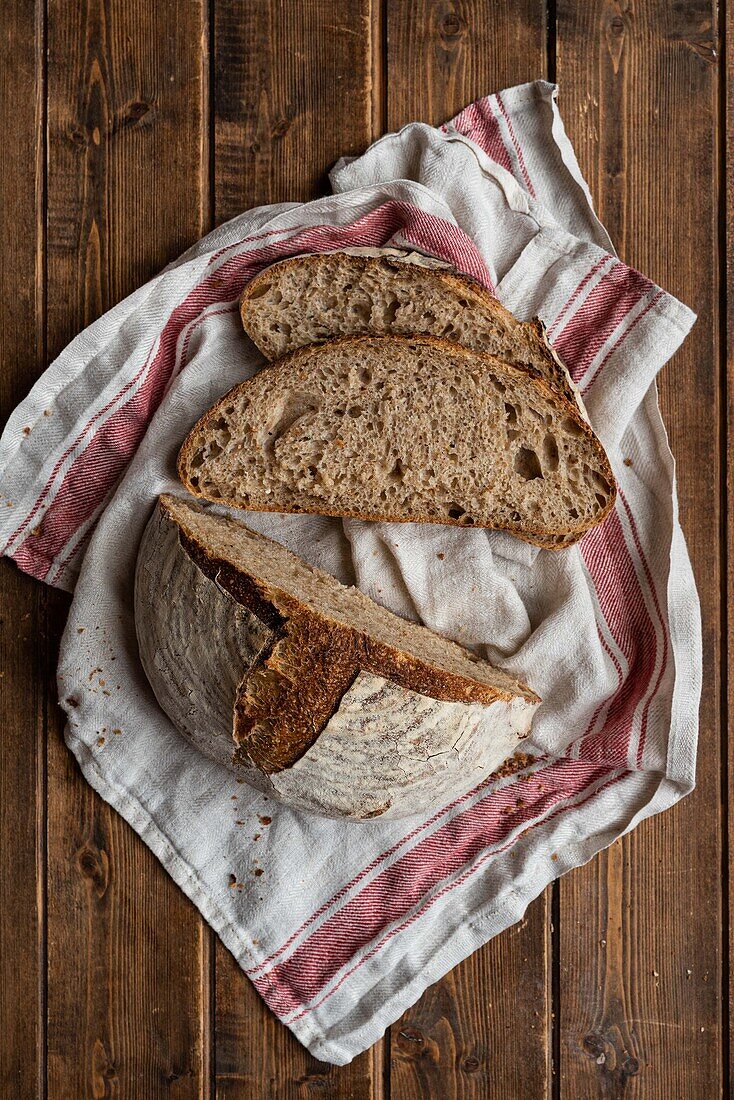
(22,754)
(442,54)
(726,198)
(127,953)
(640,928)
(485,1029)
(292,92)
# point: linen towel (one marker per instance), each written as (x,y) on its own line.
(341,926)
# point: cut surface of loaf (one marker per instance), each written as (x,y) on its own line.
(403,429)
(310,299)
(322,696)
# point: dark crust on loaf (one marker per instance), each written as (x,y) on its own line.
(543,539)
(285,701)
(458,280)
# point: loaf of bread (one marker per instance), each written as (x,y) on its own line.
(403,429)
(310,299)
(310,690)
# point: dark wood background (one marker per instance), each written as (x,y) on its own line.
(128,129)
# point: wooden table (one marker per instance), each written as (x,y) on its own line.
(129,128)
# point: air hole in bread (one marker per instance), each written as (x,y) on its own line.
(572,428)
(361,310)
(527,464)
(289,413)
(550,452)
(391,310)
(396,474)
(355,411)
(214,450)
(512,433)
(538,415)
(573,513)
(260,292)
(455,511)
(602,500)
(365,376)
(510,414)
(499,386)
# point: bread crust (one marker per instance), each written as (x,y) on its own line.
(294,359)
(451,277)
(284,702)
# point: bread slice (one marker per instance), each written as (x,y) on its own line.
(403,429)
(310,299)
(319,695)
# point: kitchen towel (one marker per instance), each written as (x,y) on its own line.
(341,926)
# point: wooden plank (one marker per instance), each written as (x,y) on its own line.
(640,928)
(127,191)
(727,244)
(292,86)
(485,1029)
(22,754)
(442,54)
(291,94)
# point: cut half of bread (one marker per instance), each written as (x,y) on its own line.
(403,429)
(315,693)
(310,299)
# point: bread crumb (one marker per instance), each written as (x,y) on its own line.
(80,630)
(628,461)
(554,857)
(517,763)
(258,871)
(256,836)
(118,732)
(100,741)
(264,820)
(440,556)
(232,880)
(26,430)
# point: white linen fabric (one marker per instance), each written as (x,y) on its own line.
(341,926)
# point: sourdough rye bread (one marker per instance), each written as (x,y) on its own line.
(310,299)
(403,429)
(311,691)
